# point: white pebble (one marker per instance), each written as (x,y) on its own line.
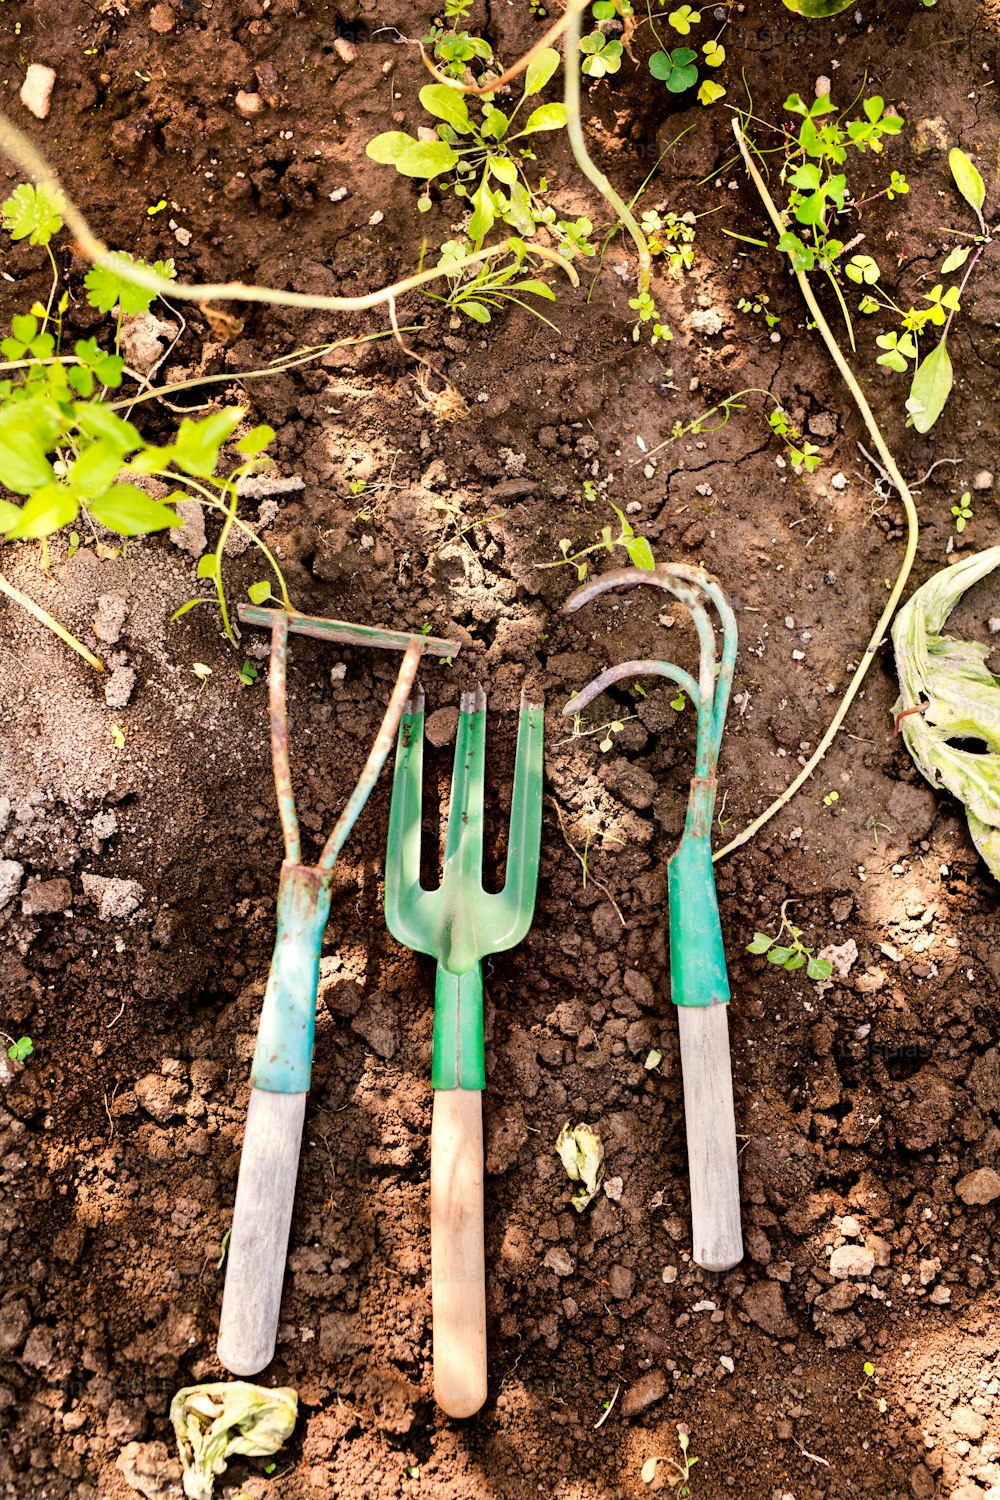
(248,104)
(36,90)
(726,1363)
(798,656)
(839,481)
(983,480)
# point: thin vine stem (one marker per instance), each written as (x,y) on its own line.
(30,159)
(44,618)
(891,468)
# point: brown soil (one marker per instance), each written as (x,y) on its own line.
(872,1098)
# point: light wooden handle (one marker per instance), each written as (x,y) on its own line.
(458,1269)
(711,1136)
(258,1243)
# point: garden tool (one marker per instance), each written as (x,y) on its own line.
(698,981)
(459,924)
(282,1063)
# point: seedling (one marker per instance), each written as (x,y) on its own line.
(790,954)
(582,730)
(475,291)
(477,157)
(831,798)
(640,554)
(679,1479)
(962,512)
(248,673)
(20,1050)
(758,307)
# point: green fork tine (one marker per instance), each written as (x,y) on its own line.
(459,923)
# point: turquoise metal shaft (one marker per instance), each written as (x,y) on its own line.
(459,923)
(697,957)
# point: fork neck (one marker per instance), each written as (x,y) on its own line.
(459,1060)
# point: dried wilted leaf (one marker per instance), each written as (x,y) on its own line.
(214,1422)
(947,696)
(582,1154)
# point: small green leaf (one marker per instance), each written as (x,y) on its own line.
(129,511)
(819,969)
(446,104)
(24,441)
(779,955)
(475,310)
(956,259)
(94,470)
(931,387)
(10,514)
(426,159)
(545,117)
(967,180)
(761,943)
(49,508)
(21,1049)
(196,449)
(259,593)
(387,147)
(32,213)
(256,440)
(208,566)
(818,10)
(540,70)
(98,421)
(710,92)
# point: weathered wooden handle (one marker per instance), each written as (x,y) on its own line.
(711,1136)
(458,1269)
(258,1243)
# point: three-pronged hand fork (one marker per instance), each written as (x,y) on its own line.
(698,981)
(282,1063)
(459,924)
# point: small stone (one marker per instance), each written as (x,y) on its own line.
(36,90)
(842,956)
(621,1282)
(162,20)
(727,1363)
(922,1485)
(784,1430)
(441,725)
(161,1097)
(115,898)
(978,1187)
(668,1275)
(931,134)
(112,612)
(928,1270)
(144,340)
(852,1260)
(191,536)
(764,1301)
(376,1024)
(613,1188)
(705,320)
(839,481)
(823,86)
(149,1469)
(345,50)
(940,1296)
(850,1228)
(119,687)
(694,535)
(644,1393)
(248,104)
(15,1320)
(11,875)
(559,1260)
(183,236)
(983,480)
(838,1298)
(967,1423)
(43,898)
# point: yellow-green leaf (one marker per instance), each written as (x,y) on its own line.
(49,508)
(710,92)
(932,382)
(967,180)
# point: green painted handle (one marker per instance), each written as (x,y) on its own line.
(282,1061)
(697,957)
(459,1060)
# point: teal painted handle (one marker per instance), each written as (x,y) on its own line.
(282,1060)
(697,957)
(459,1060)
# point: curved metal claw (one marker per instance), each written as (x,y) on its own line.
(685,582)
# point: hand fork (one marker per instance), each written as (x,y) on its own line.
(459,923)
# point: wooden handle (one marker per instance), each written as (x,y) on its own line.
(458,1269)
(711,1136)
(258,1243)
